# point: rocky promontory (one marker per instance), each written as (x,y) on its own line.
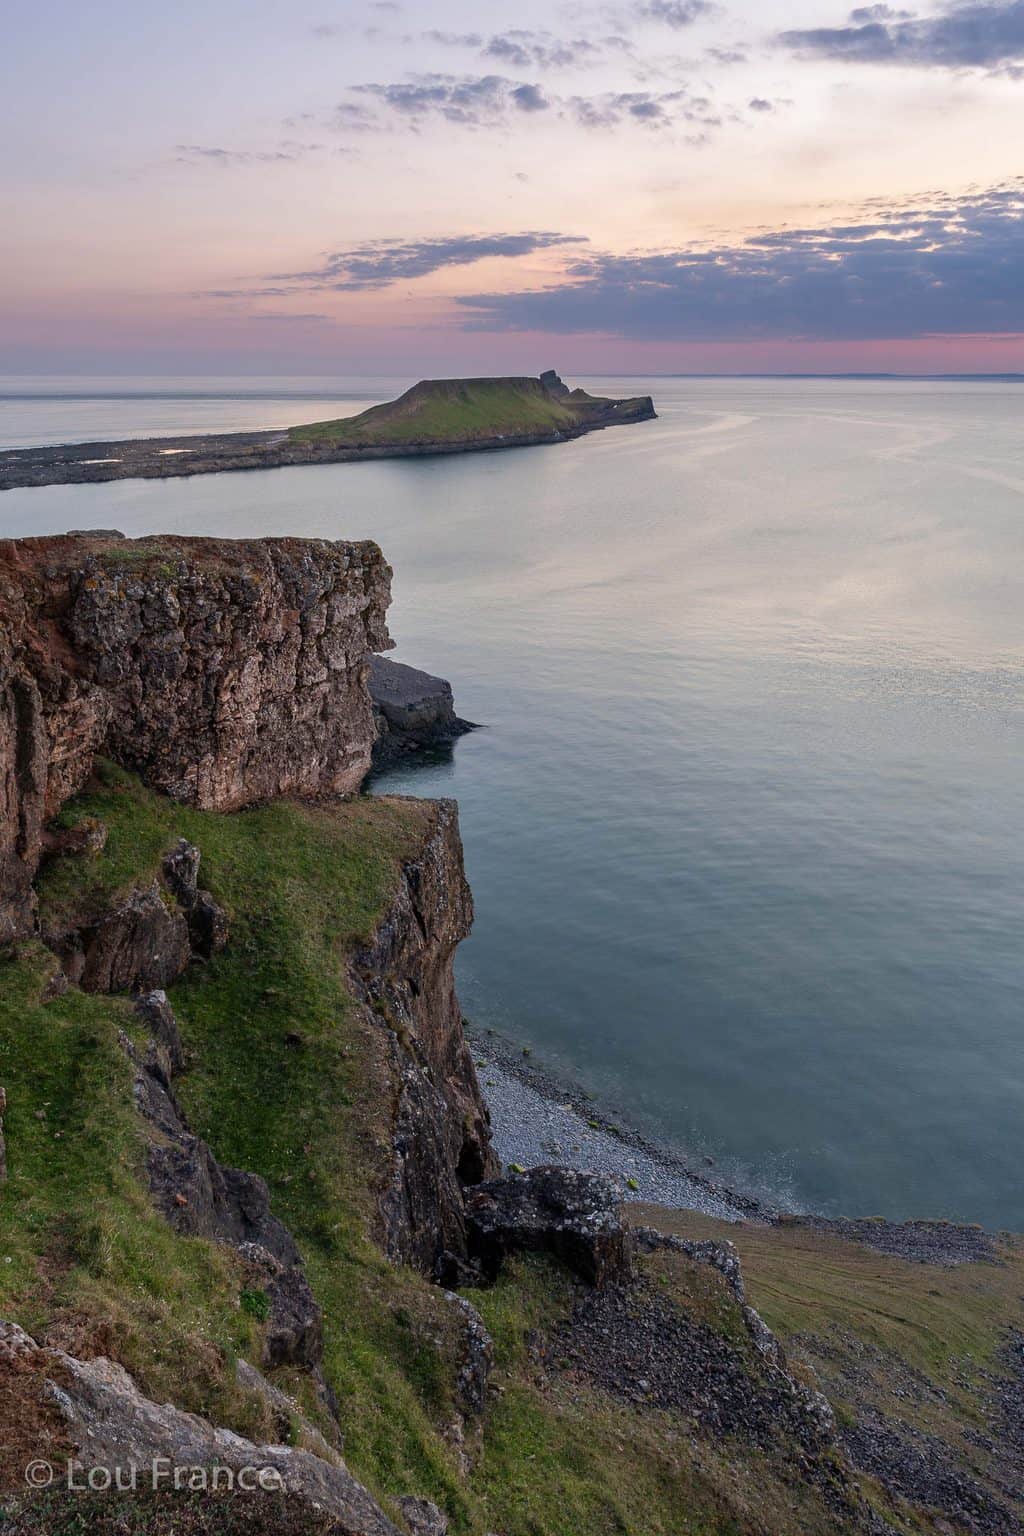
(224,672)
(436,416)
(413,711)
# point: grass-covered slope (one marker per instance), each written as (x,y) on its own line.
(437,412)
(285,1078)
(449,410)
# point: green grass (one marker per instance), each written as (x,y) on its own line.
(448,410)
(285,1079)
(83,1255)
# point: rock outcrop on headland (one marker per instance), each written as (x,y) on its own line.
(224,672)
(412,710)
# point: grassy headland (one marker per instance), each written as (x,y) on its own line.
(457,410)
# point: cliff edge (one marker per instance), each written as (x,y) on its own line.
(223,672)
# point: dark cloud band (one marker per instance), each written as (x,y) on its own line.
(381,263)
(964,36)
(939,266)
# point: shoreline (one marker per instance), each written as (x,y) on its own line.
(538,1117)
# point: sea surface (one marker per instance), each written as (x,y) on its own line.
(746,823)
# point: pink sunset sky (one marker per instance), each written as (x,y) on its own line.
(371,186)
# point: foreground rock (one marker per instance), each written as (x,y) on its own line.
(111,1425)
(223,672)
(146,939)
(412,711)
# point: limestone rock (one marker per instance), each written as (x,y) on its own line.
(142,944)
(422,1517)
(208,924)
(405,978)
(113,1425)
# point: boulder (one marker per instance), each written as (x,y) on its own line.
(143,943)
(412,710)
(573,1215)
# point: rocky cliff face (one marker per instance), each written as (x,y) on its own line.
(223,672)
(441,1130)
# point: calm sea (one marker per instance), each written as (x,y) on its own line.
(746,825)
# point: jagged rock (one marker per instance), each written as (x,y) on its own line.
(148,939)
(573,1215)
(111,1424)
(203,1198)
(197,1194)
(477,1358)
(208,925)
(254,650)
(412,710)
(295,1323)
(422,1517)
(181,871)
(721,1256)
(142,944)
(405,978)
(166,1056)
(554,385)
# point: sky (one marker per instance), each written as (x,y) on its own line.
(327,187)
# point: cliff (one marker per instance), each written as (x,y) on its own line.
(251,1217)
(223,672)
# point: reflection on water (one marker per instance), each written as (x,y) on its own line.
(745,828)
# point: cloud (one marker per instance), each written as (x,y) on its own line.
(473,100)
(987,35)
(933,266)
(539,50)
(650,109)
(198,154)
(378,264)
(520,49)
(674,13)
(490,101)
(760,104)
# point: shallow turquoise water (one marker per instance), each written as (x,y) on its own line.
(745,825)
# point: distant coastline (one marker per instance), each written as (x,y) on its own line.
(436,416)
